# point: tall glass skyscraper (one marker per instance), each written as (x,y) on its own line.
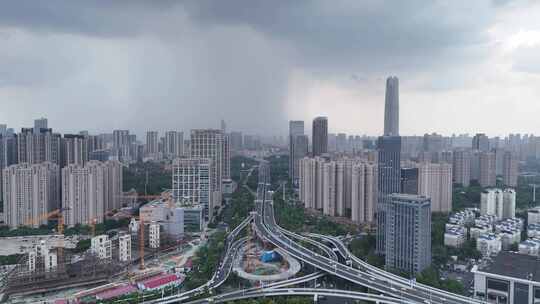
(389,150)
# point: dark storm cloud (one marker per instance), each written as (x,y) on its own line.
(181,64)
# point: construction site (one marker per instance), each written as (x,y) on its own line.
(261,262)
(123,256)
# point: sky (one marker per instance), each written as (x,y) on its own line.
(464,66)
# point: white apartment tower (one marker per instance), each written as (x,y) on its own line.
(101,246)
(208,143)
(30,191)
(91,190)
(124,248)
(435,182)
(363,192)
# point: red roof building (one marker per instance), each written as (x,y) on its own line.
(116,292)
(161,281)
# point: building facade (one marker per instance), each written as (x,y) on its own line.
(320,136)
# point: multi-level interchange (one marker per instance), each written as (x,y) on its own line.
(386,287)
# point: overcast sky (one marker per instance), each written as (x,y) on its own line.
(464,66)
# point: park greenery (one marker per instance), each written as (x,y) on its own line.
(239,167)
(238,209)
(9,259)
(206,261)
(159,178)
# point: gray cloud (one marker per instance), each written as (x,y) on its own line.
(100,65)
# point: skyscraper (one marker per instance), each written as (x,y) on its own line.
(35,147)
(389,158)
(320,136)
(363,192)
(408,233)
(173,145)
(391,107)
(488,176)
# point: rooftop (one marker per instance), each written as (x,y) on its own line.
(515,265)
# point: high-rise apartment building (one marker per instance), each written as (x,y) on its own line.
(320,136)
(91,190)
(510,169)
(152,144)
(35,147)
(391,107)
(363,192)
(173,145)
(208,143)
(191,182)
(480,142)
(122,141)
(408,233)
(40,123)
(237,142)
(488,177)
(461,167)
(74,149)
(435,182)
(30,191)
(499,203)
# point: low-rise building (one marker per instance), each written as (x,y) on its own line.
(509,237)
(533,230)
(479,230)
(462,218)
(101,246)
(489,244)
(533,215)
(455,236)
(511,278)
(124,248)
(154,235)
(530,247)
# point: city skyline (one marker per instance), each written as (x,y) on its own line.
(105,73)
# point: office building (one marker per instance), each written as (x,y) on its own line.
(510,169)
(208,143)
(391,107)
(409,180)
(480,142)
(408,233)
(488,177)
(29,192)
(152,145)
(435,182)
(320,136)
(40,123)
(89,191)
(388,181)
(462,167)
(191,182)
(298,148)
